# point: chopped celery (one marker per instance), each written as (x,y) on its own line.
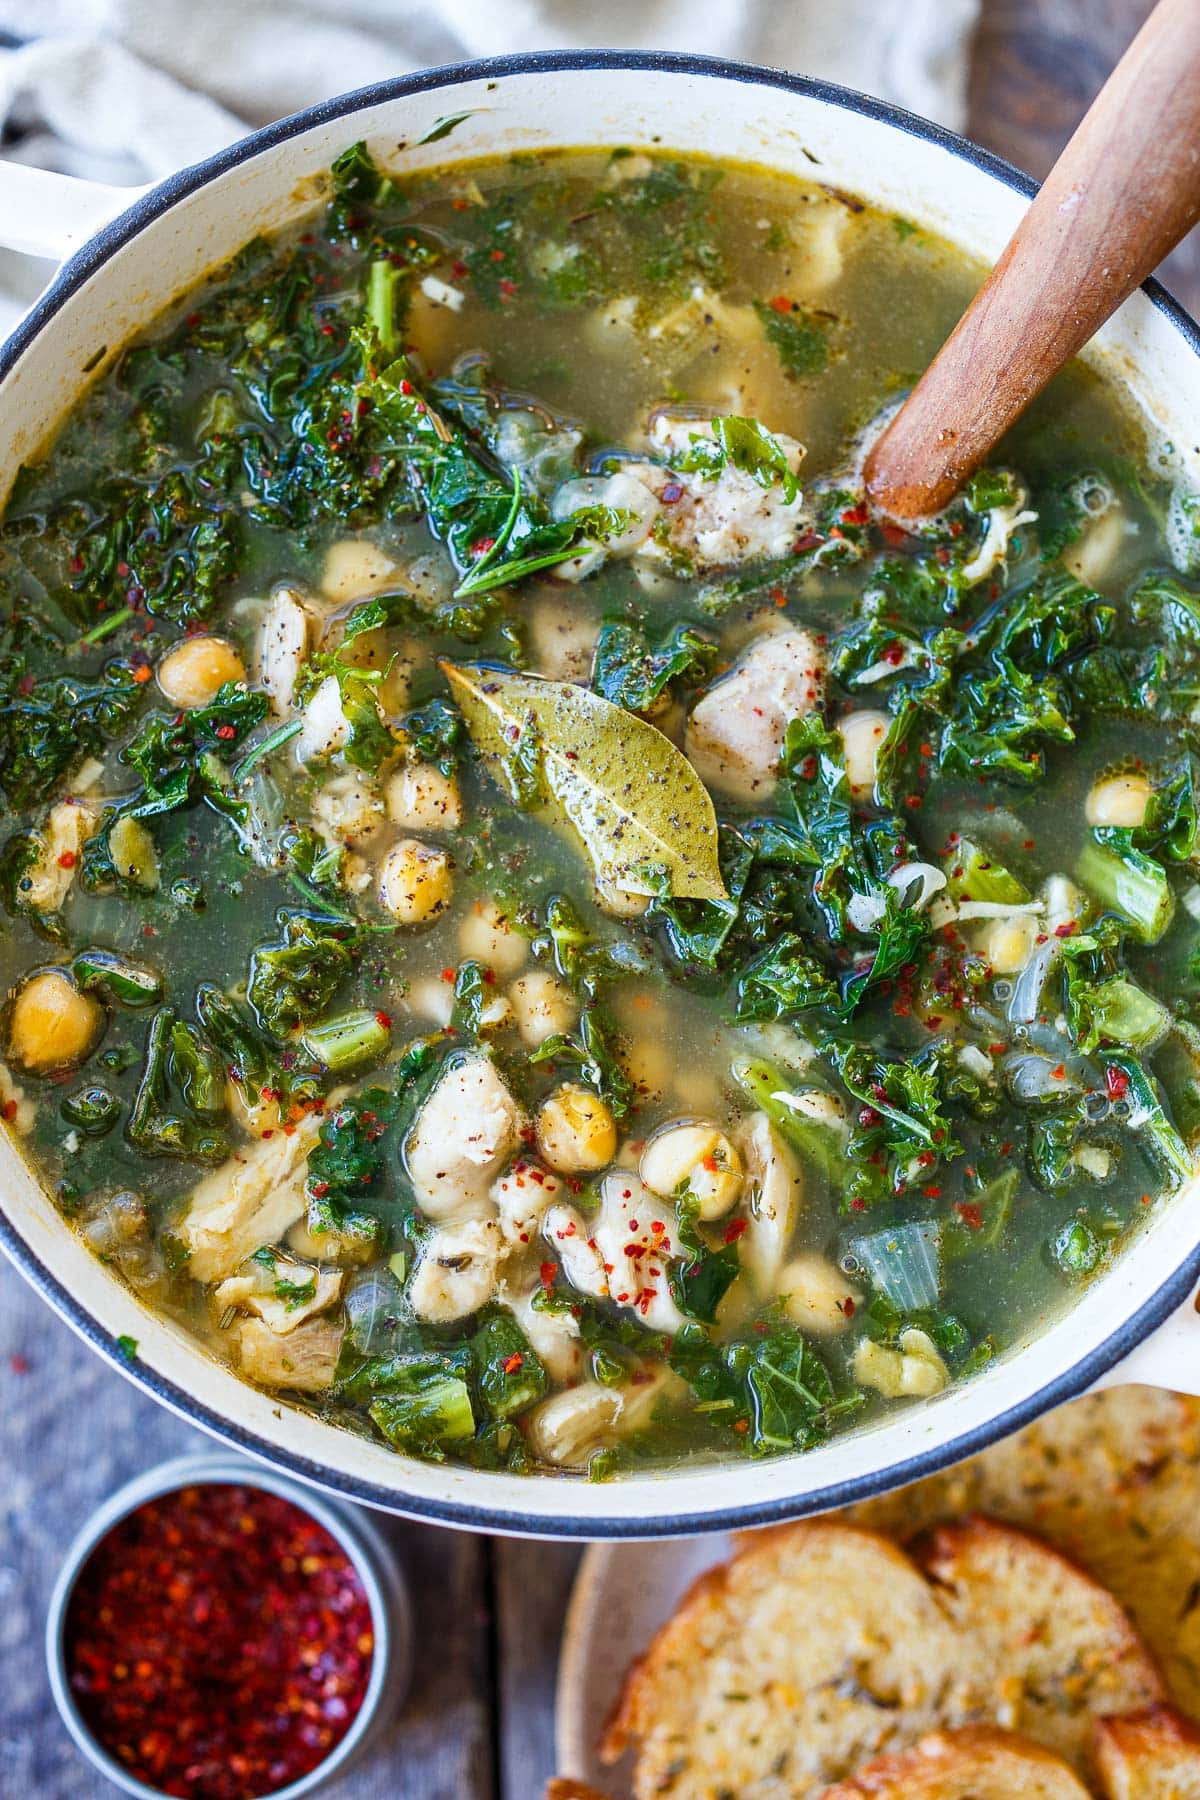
(1125,1013)
(1126,881)
(972,874)
(349,1041)
(903,1263)
(438,1414)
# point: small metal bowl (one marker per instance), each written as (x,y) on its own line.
(387,1596)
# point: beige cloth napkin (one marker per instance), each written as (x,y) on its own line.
(130,90)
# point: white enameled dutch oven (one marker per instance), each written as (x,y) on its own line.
(125,263)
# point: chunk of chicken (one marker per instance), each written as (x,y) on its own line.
(325,729)
(47,882)
(735,733)
(522,1197)
(569,1427)
(554,1336)
(282,647)
(457,1272)
(775,1192)
(463,1136)
(566,1233)
(251,1199)
(282,1292)
(715,521)
(1002,522)
(348,811)
(622,1251)
(306,1359)
(707,521)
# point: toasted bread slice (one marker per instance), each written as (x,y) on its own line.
(802,1656)
(1152,1756)
(977,1763)
(821,1646)
(1113,1480)
(1061,1651)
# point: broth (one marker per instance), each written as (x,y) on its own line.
(417,1033)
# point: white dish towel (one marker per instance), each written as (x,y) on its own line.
(130,90)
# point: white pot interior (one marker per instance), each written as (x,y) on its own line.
(758,121)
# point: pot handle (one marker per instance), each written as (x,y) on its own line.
(1168,1358)
(50,215)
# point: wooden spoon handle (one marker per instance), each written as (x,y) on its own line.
(1121,195)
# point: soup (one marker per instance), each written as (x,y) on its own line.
(536,926)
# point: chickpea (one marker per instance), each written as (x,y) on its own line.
(696,1160)
(354,567)
(576,1131)
(193,673)
(1008,944)
(53,1024)
(618,903)
(541,1006)
(422,798)
(415,882)
(487,936)
(861,734)
(649,1065)
(1118,800)
(817,1296)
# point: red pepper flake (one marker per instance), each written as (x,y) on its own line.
(1060,1073)
(970,1215)
(67,860)
(780,304)
(1116,1082)
(1067,930)
(734,1230)
(548,1271)
(496,256)
(932,1192)
(507,288)
(512,1363)
(225,732)
(384,1019)
(447,974)
(142,673)
(219,1643)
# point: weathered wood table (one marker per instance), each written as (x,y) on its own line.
(478,1724)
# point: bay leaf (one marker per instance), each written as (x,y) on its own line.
(638,807)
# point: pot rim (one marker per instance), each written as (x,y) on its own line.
(1065,1385)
